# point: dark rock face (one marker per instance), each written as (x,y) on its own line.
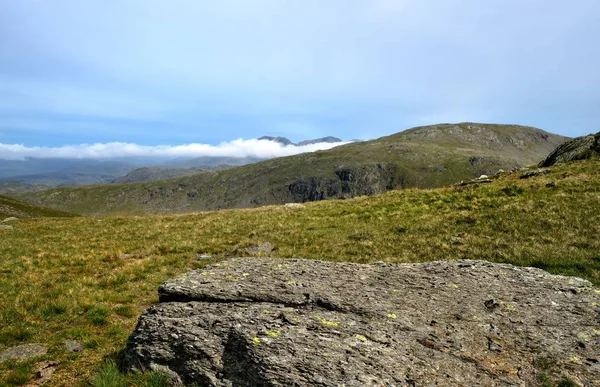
(275,322)
(369,179)
(579,148)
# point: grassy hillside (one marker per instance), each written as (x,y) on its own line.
(157,173)
(11,207)
(89,278)
(424,157)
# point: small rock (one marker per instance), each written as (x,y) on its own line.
(493,346)
(43,372)
(174,379)
(482,177)
(537,172)
(5,227)
(491,304)
(500,171)
(24,351)
(294,205)
(73,345)
(11,219)
(262,248)
(126,256)
(204,256)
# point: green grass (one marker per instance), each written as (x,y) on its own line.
(64,278)
(110,376)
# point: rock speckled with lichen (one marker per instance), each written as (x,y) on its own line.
(295,322)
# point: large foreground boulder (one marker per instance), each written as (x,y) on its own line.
(294,322)
(580,148)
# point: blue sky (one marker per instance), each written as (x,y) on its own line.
(175,72)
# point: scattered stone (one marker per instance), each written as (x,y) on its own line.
(204,256)
(24,351)
(5,227)
(264,248)
(537,172)
(269,321)
(475,181)
(73,345)
(10,219)
(294,205)
(482,177)
(126,256)
(43,372)
(500,171)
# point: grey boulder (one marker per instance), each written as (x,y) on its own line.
(295,322)
(22,352)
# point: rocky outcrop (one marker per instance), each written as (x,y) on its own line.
(368,179)
(294,322)
(580,148)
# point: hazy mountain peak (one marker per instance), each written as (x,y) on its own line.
(281,140)
(285,141)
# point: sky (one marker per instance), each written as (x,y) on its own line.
(156,74)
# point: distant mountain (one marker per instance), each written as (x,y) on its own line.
(328,139)
(31,166)
(423,157)
(285,141)
(83,172)
(156,173)
(281,140)
(11,186)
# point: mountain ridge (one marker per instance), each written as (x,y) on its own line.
(421,157)
(285,141)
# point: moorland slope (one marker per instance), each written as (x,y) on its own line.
(10,207)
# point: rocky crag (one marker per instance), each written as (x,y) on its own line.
(580,148)
(274,322)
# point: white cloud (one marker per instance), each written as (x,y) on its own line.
(237,148)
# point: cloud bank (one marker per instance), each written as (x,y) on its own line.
(112,150)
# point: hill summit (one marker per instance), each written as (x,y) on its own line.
(423,157)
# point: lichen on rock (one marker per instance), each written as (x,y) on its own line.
(298,322)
